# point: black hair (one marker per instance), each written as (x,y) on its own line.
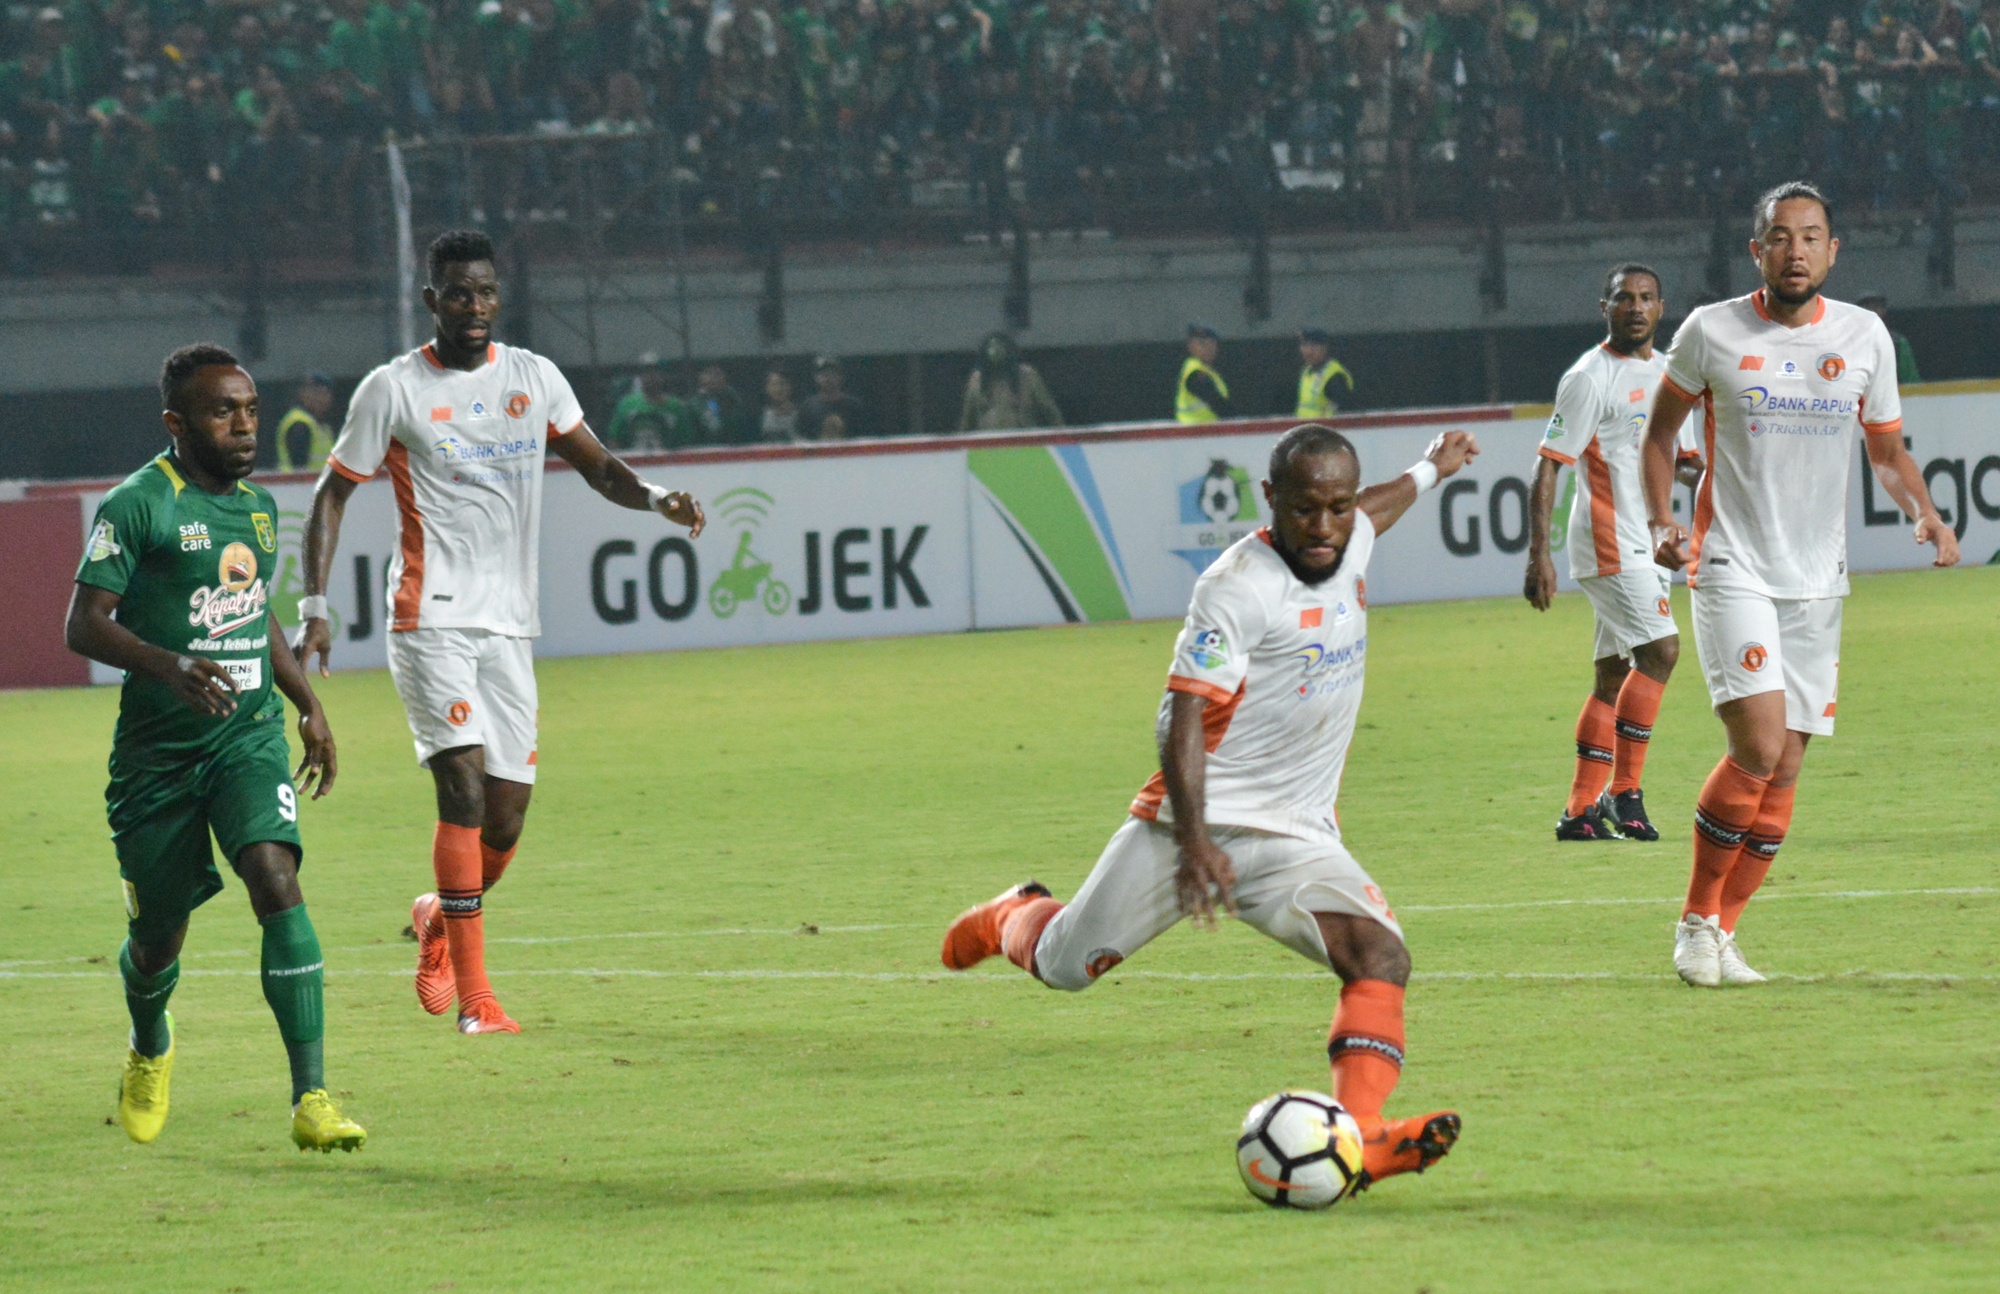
(1630,267)
(1767,206)
(457,247)
(184,363)
(1310,438)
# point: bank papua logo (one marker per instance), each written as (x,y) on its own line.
(748,578)
(1635,426)
(1220,497)
(1830,366)
(1209,649)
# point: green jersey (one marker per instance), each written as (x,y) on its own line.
(193,573)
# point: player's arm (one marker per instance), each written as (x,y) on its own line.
(1388,501)
(1539,585)
(613,478)
(1205,875)
(1657,456)
(1573,424)
(320,764)
(92,630)
(1901,477)
(329,507)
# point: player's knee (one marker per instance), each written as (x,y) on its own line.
(1388,959)
(1611,674)
(460,776)
(1658,658)
(270,872)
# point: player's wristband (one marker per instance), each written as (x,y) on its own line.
(655,495)
(1425,474)
(312,608)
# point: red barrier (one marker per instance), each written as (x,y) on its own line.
(45,544)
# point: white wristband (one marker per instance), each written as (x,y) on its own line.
(1425,474)
(655,494)
(312,608)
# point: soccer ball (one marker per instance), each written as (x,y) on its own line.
(1219,499)
(1299,1150)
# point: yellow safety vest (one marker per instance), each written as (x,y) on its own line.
(1187,408)
(1312,390)
(319,446)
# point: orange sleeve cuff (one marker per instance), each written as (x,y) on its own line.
(1551,454)
(556,431)
(1685,454)
(1888,428)
(345,470)
(1208,691)
(1679,390)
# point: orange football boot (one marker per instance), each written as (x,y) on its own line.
(436,985)
(975,936)
(486,1017)
(1389,1148)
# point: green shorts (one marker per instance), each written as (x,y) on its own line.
(161,820)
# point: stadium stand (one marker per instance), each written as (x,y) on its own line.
(136,133)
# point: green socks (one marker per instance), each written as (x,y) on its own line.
(294,985)
(146,998)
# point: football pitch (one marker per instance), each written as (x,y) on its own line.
(743,1067)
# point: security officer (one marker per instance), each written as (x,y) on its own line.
(304,440)
(1201,395)
(1323,380)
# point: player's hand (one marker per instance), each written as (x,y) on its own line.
(320,764)
(1540,586)
(680,508)
(1206,878)
(1932,530)
(203,686)
(1670,545)
(315,635)
(1451,451)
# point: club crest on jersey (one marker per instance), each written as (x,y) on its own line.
(457,713)
(104,542)
(517,404)
(267,534)
(1209,649)
(1830,366)
(1752,656)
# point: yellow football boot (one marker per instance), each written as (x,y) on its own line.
(142,1091)
(318,1124)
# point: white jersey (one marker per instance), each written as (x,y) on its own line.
(1782,406)
(1597,427)
(464,452)
(1282,662)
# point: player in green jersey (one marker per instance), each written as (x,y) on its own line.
(173,590)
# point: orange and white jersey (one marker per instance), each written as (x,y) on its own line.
(1281,661)
(1597,427)
(464,452)
(1782,407)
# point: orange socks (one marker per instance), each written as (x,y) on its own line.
(1022,930)
(1723,816)
(1593,755)
(1760,848)
(492,864)
(455,861)
(1366,1047)
(1638,707)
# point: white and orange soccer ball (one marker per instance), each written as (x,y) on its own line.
(1299,1150)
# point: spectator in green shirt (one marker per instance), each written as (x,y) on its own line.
(651,417)
(1906,358)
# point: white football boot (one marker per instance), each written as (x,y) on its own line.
(1698,951)
(1735,971)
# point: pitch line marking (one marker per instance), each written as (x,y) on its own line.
(1946,891)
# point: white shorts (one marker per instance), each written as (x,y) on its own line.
(1633,608)
(1129,898)
(1750,644)
(469,687)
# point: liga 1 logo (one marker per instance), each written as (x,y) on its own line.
(238,597)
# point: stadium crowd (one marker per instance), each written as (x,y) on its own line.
(124,114)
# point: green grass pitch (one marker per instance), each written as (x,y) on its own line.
(743,1069)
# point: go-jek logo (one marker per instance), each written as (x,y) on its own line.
(1216,509)
(749,578)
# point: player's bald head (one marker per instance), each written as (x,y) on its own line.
(1308,442)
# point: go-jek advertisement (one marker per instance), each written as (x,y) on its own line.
(1007,530)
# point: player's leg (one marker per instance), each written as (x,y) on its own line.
(1811,666)
(254,813)
(1313,897)
(1582,816)
(1650,640)
(456,861)
(161,836)
(1127,901)
(512,704)
(1742,660)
